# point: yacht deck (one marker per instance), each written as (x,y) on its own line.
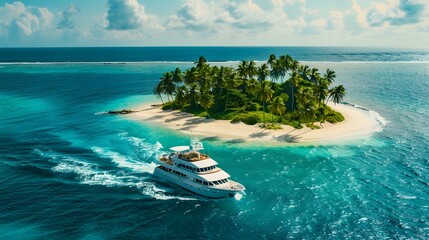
(166,160)
(193,156)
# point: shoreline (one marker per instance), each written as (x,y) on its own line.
(359,123)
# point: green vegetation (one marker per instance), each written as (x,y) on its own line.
(280,91)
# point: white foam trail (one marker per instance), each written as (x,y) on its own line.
(89,173)
(144,149)
(125,162)
(159,194)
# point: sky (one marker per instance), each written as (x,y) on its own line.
(67,23)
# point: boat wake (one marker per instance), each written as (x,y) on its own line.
(127,172)
(143,149)
(125,162)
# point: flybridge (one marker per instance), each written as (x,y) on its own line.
(180,149)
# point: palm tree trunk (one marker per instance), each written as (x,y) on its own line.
(293,108)
(263,114)
(226,103)
(161,99)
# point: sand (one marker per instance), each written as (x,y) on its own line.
(358,123)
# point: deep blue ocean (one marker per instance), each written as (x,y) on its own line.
(68,172)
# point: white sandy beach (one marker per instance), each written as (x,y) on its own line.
(358,123)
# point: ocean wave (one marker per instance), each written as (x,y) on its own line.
(373,114)
(381,121)
(406,197)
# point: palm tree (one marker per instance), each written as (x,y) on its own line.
(305,103)
(321,90)
(177,76)
(158,91)
(284,65)
(181,94)
(263,72)
(206,101)
(251,69)
(276,70)
(201,62)
(304,71)
(205,78)
(277,106)
(271,60)
(252,87)
(167,84)
(337,94)
(242,69)
(294,80)
(231,82)
(330,75)
(219,77)
(265,93)
(314,75)
(294,65)
(193,94)
(191,76)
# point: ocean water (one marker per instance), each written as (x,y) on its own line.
(67,171)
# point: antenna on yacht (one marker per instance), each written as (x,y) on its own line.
(196,146)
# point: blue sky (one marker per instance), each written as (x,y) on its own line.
(382,23)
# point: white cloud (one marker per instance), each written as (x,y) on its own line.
(216,22)
(67,17)
(129,15)
(224,15)
(19,21)
(193,15)
(336,21)
(250,16)
(305,10)
(390,13)
(360,14)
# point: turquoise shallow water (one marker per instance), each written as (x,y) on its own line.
(68,172)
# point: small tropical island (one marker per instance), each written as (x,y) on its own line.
(279,91)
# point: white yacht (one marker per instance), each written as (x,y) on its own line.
(197,172)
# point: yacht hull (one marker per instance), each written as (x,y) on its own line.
(194,187)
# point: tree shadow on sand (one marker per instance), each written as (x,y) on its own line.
(155,117)
(259,134)
(177,117)
(288,137)
(195,121)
